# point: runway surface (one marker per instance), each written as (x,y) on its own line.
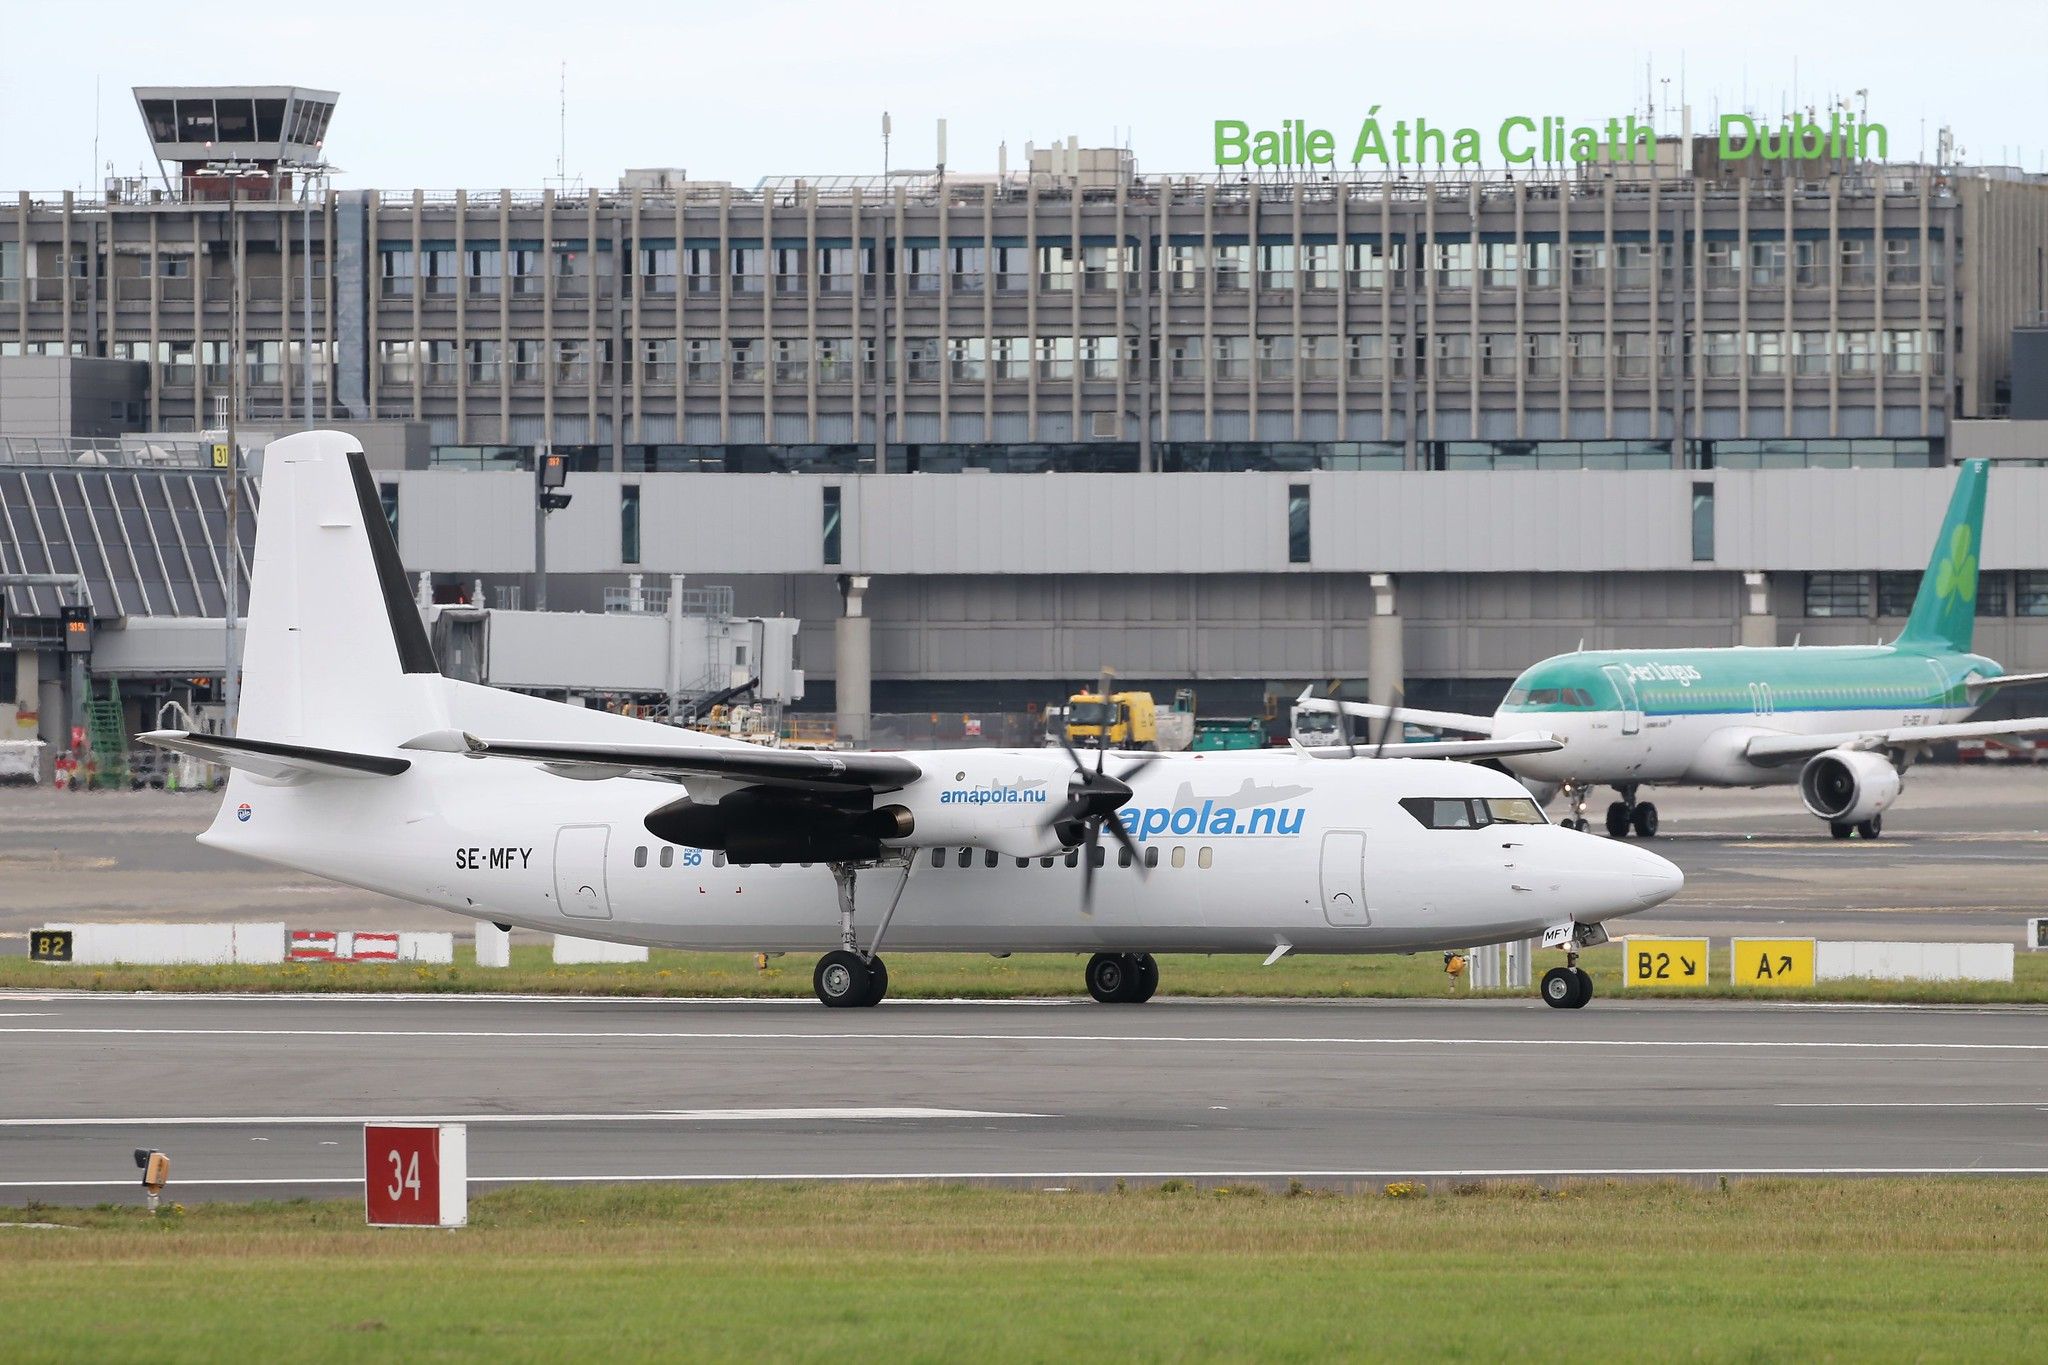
(265,1096)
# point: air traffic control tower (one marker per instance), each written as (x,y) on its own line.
(235,141)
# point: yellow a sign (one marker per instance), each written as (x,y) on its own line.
(1663,961)
(1771,961)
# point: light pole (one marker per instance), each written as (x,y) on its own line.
(320,173)
(231,680)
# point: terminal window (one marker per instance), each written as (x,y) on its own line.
(1297,523)
(1837,594)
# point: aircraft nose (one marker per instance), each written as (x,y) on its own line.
(1652,880)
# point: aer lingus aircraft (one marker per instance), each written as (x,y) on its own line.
(357,761)
(1841,721)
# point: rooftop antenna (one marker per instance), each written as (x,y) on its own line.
(885,145)
(562,124)
(96,126)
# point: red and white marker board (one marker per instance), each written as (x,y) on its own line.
(416,1174)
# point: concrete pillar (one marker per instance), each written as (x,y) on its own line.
(1385,669)
(853,662)
(493,946)
(1759,624)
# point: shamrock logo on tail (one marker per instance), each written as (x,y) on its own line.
(1957,576)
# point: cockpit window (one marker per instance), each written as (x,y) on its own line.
(1442,812)
(1456,812)
(1549,696)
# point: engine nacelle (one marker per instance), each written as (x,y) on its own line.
(1848,786)
(987,798)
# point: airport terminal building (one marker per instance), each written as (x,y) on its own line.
(984,433)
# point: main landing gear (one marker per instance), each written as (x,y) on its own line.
(1866,829)
(847,977)
(1568,987)
(1122,978)
(1630,814)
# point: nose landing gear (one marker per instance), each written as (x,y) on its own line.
(1568,987)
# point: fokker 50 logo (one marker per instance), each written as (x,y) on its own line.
(1957,576)
(1006,794)
(1685,675)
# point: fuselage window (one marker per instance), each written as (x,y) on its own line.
(640,856)
(938,857)
(1098,855)
(1514,810)
(1123,857)
(718,858)
(1180,855)
(1023,862)
(990,858)
(1045,861)
(1151,856)
(966,857)
(668,856)
(1204,858)
(1073,857)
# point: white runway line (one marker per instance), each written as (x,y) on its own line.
(1912,1104)
(708,1035)
(652,1116)
(1390,1172)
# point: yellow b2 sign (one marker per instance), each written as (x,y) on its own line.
(1664,962)
(1772,961)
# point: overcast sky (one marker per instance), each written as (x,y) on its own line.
(441,95)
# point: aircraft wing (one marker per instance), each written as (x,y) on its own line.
(1774,749)
(268,758)
(1443,748)
(739,765)
(1981,685)
(1431,720)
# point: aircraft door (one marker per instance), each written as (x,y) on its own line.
(579,871)
(1344,878)
(1625,687)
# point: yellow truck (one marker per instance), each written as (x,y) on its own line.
(1134,720)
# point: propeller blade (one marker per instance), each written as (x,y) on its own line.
(1138,765)
(1088,847)
(1123,837)
(1393,716)
(1344,728)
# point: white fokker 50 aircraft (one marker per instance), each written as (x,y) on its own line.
(357,761)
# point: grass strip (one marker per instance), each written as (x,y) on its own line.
(974,976)
(1752,1269)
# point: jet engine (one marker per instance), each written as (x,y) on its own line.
(1848,786)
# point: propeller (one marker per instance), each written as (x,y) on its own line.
(1093,799)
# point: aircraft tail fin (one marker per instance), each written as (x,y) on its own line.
(336,655)
(1945,610)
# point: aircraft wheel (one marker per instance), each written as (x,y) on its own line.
(1585,987)
(1145,980)
(1871,828)
(1840,830)
(1560,989)
(1645,819)
(878,981)
(842,980)
(1110,978)
(1617,821)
